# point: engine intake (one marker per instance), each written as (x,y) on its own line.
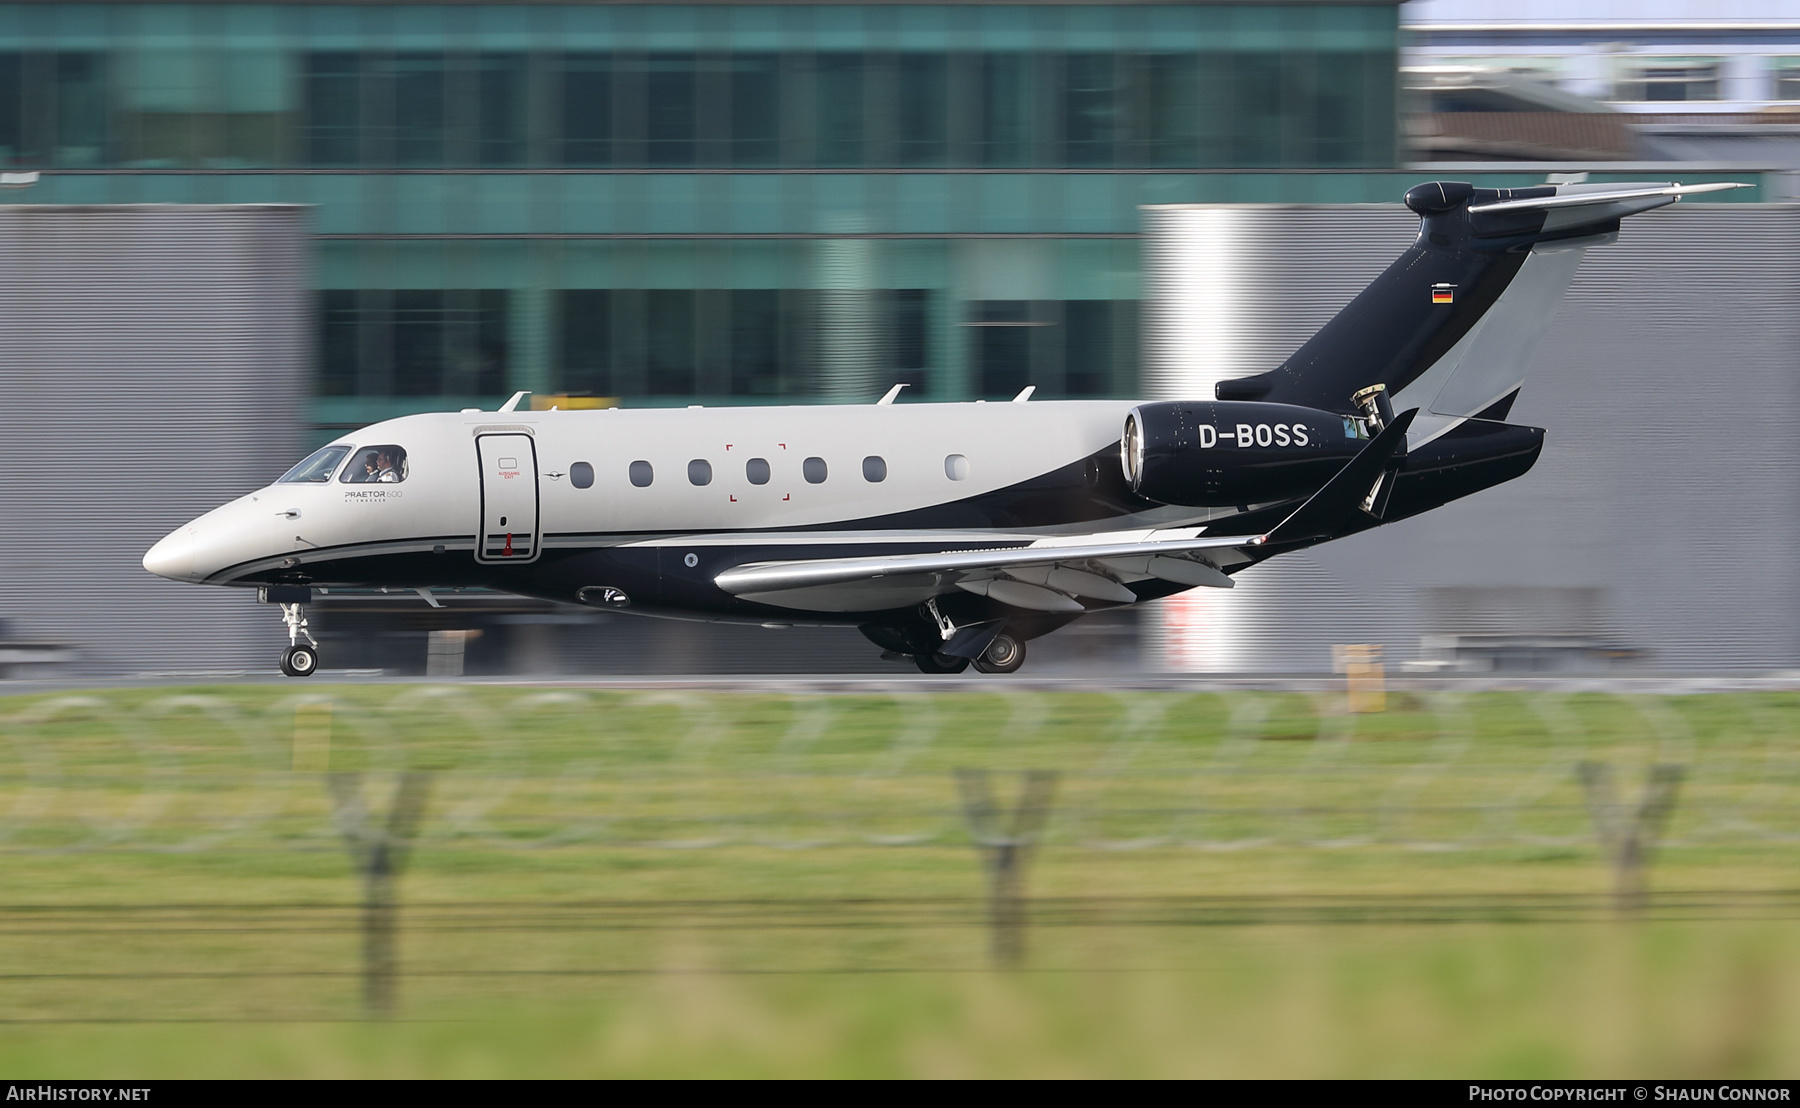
(1218,453)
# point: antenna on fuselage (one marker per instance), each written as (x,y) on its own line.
(513,404)
(893,394)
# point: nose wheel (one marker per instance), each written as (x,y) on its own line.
(299,659)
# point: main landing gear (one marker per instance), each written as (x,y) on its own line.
(299,659)
(942,646)
(938,664)
(1004,654)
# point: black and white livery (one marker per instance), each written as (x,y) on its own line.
(950,533)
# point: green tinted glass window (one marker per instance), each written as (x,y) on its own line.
(669,86)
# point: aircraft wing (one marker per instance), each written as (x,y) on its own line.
(1067,574)
(1052,575)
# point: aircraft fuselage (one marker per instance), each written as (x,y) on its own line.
(951,533)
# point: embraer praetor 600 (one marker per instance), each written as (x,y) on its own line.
(950,533)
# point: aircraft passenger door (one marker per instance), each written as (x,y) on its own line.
(509,499)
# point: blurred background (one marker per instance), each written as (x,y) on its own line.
(257,226)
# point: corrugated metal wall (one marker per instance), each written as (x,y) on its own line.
(153,364)
(1232,289)
(1665,506)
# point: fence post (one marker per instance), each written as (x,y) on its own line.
(1004,854)
(379,854)
(1629,837)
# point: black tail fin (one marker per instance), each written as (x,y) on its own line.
(1450,326)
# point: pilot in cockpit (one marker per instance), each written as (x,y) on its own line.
(386,468)
(366,468)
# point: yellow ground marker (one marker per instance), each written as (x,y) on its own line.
(1365,676)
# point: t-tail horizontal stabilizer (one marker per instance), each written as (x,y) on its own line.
(1663,194)
(1363,485)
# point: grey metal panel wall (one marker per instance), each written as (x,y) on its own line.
(1232,289)
(1665,500)
(153,364)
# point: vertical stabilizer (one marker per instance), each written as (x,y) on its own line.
(1452,324)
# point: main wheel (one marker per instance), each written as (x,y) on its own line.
(1004,655)
(939,663)
(299,661)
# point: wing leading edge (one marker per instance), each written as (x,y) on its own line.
(1049,576)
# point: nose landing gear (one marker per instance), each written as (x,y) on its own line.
(299,659)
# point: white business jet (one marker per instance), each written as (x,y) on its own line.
(950,533)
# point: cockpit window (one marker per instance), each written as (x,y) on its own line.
(381,465)
(318,465)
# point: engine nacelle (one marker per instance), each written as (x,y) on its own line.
(1215,453)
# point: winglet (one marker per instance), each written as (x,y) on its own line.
(893,394)
(513,404)
(1328,510)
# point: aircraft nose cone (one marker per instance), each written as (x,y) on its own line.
(173,557)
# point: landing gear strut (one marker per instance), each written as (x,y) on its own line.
(299,660)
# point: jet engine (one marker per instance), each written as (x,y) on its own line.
(1219,453)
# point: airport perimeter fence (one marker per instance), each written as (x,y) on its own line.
(510,836)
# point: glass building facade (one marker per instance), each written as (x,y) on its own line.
(667,203)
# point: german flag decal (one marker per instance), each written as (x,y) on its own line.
(1443,294)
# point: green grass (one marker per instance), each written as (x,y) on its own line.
(711,883)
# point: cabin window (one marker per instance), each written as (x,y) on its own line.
(956,467)
(700,472)
(813,469)
(757,469)
(581,475)
(874,468)
(376,465)
(316,468)
(642,474)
